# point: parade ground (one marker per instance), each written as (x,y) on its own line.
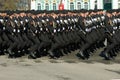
(65,68)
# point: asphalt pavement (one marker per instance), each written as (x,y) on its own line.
(68,67)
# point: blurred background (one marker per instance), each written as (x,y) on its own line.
(58,4)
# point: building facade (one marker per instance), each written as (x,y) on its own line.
(74,4)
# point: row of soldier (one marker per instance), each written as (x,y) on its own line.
(57,33)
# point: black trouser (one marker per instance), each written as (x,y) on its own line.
(21,44)
(45,41)
(15,44)
(56,43)
(88,41)
(6,40)
(27,42)
(115,41)
(1,43)
(36,44)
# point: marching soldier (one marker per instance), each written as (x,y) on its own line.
(38,33)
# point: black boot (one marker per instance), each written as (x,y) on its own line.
(105,55)
(51,54)
(10,54)
(87,54)
(32,56)
(1,52)
(80,55)
(65,52)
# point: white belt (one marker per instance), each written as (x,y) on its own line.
(54,30)
(88,29)
(114,28)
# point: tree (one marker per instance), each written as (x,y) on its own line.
(1,4)
(10,4)
(24,4)
(15,4)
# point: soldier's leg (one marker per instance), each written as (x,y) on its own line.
(1,48)
(13,45)
(88,42)
(6,41)
(22,43)
(27,44)
(108,48)
(34,48)
(51,52)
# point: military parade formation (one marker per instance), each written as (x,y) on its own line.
(58,33)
